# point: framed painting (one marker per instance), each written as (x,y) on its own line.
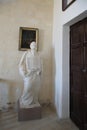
(26,36)
(66,4)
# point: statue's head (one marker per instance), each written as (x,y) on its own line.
(33,46)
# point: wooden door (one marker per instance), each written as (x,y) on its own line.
(78,74)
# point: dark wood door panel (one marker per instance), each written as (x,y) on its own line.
(78,107)
(77,80)
(85,86)
(78,74)
(77,34)
(77,56)
(86,56)
(85,26)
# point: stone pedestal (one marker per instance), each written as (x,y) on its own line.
(32,113)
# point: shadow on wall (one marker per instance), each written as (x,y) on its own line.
(9,94)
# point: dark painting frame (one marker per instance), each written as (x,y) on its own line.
(26,36)
(65,4)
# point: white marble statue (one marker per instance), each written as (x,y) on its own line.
(30,68)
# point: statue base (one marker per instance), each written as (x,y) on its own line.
(32,113)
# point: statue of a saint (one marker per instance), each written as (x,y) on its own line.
(30,68)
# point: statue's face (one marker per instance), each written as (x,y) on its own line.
(33,46)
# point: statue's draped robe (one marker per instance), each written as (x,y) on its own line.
(30,69)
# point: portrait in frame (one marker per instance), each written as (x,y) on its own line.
(66,4)
(26,36)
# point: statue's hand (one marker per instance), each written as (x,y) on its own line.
(33,71)
(30,72)
(38,72)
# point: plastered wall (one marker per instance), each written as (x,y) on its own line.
(24,13)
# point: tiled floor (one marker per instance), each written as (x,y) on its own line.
(49,121)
